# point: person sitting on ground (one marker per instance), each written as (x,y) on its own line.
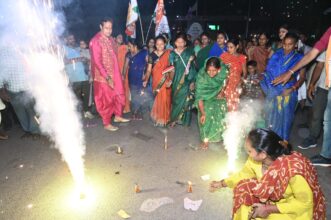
(275,183)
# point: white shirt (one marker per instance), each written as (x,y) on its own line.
(321,82)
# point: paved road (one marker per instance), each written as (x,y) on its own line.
(36,184)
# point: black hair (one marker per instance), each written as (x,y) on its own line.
(269,142)
(160,37)
(106,19)
(205,34)
(134,43)
(222,33)
(182,36)
(292,35)
(284,26)
(213,61)
(234,41)
(251,63)
(265,34)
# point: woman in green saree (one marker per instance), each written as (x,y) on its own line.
(183,82)
(210,101)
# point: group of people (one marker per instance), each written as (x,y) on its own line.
(170,81)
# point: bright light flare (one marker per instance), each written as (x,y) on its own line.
(82,198)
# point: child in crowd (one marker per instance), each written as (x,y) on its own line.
(252,89)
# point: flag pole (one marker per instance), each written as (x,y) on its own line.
(149,28)
(141,28)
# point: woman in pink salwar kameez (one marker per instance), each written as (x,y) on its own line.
(109,93)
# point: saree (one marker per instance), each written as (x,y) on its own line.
(182,96)
(108,101)
(161,108)
(122,51)
(260,55)
(203,54)
(140,97)
(270,189)
(207,90)
(279,110)
(216,50)
(235,64)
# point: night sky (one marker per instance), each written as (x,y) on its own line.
(307,16)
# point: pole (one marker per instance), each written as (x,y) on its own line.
(248,18)
(141,28)
(149,28)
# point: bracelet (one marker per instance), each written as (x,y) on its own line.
(291,71)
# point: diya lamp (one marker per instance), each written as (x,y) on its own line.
(136,188)
(189,189)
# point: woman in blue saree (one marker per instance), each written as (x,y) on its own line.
(281,100)
(141,97)
(219,47)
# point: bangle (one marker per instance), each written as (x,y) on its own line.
(291,71)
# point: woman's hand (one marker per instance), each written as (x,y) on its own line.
(169,83)
(221,95)
(192,86)
(287,92)
(259,211)
(110,82)
(282,79)
(215,185)
(144,84)
(203,119)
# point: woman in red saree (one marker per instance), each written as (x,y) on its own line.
(275,183)
(237,67)
(159,68)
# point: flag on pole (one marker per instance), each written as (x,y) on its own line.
(133,14)
(161,21)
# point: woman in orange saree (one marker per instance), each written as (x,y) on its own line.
(159,68)
(122,51)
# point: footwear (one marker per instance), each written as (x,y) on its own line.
(3,136)
(88,115)
(319,160)
(111,128)
(121,120)
(308,143)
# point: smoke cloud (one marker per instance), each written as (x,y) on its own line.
(238,124)
(32,28)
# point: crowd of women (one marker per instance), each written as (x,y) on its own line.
(213,78)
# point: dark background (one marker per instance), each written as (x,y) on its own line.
(83,16)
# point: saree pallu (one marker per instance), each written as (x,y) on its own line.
(260,55)
(275,181)
(202,55)
(235,64)
(182,96)
(140,97)
(207,90)
(161,108)
(216,50)
(122,51)
(280,109)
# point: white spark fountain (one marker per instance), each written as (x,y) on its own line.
(33,27)
(238,123)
